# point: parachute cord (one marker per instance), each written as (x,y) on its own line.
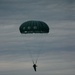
(34,61)
(31,56)
(39,52)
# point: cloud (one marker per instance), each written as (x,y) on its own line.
(23,10)
(56,63)
(57,47)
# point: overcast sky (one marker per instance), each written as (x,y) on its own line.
(57,55)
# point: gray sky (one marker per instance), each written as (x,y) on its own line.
(57,48)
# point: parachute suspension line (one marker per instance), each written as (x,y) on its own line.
(29,51)
(34,59)
(39,51)
(30,54)
(38,55)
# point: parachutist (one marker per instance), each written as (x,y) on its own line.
(34,66)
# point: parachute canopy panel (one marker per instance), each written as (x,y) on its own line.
(34,27)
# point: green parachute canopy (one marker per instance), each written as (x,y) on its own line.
(34,27)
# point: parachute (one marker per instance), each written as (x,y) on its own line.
(33,26)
